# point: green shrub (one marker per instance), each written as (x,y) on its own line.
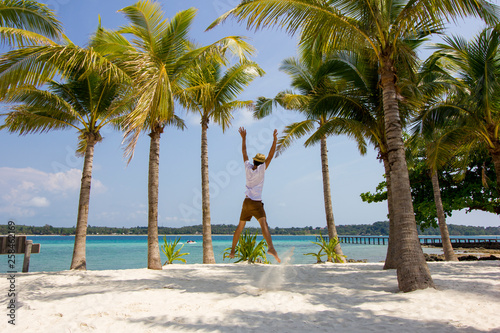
(169,249)
(316,255)
(248,249)
(329,249)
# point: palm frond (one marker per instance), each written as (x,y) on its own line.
(39,111)
(39,64)
(21,37)
(340,126)
(147,24)
(31,16)
(235,79)
(173,41)
(293,132)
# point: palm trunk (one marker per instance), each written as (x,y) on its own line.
(208,251)
(330,222)
(449,254)
(391,257)
(79,260)
(154,260)
(495,156)
(412,270)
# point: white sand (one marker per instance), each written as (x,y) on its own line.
(256,298)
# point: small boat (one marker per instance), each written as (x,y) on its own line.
(191,242)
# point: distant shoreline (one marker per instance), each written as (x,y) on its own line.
(375,229)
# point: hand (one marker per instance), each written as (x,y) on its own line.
(243,132)
(275,135)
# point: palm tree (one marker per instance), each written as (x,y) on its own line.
(360,99)
(25,22)
(31,66)
(317,79)
(473,105)
(87,103)
(431,140)
(211,92)
(436,154)
(156,60)
(380,26)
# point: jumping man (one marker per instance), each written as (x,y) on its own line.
(252,205)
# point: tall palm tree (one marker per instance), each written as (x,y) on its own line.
(431,140)
(25,22)
(35,63)
(212,93)
(312,77)
(85,102)
(380,26)
(156,60)
(360,99)
(473,106)
(429,145)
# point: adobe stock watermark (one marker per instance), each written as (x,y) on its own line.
(11,274)
(221,179)
(71,162)
(56,4)
(222,6)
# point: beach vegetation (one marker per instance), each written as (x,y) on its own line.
(169,249)
(249,250)
(328,246)
(210,89)
(317,255)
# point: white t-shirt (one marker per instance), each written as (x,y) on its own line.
(255,180)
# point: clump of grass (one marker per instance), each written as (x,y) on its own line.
(316,255)
(328,247)
(248,249)
(169,249)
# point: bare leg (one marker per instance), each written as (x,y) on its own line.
(236,237)
(267,237)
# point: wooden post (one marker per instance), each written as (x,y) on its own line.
(27,254)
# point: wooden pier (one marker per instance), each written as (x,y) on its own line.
(371,240)
(487,243)
(490,243)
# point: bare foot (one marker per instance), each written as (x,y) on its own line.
(230,255)
(274,254)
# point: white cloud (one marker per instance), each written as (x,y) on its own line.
(63,181)
(244,118)
(24,191)
(193,119)
(38,202)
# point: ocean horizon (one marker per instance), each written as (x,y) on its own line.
(115,252)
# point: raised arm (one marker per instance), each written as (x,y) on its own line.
(273,148)
(243,134)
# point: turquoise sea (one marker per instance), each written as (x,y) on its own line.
(127,252)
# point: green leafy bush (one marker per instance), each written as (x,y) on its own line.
(169,249)
(329,249)
(316,255)
(248,249)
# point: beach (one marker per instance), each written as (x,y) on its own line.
(360,297)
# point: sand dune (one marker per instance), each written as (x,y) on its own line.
(257,298)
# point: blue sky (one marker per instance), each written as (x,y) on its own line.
(40,174)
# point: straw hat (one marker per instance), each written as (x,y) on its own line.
(260,158)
